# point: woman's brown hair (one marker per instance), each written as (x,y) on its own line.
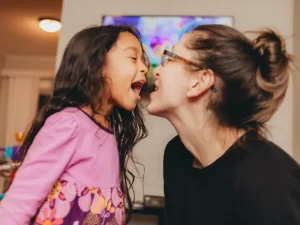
(252,76)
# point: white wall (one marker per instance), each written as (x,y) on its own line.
(3,106)
(248,15)
(22,80)
(297,82)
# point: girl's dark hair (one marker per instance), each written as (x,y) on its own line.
(79,82)
(251,76)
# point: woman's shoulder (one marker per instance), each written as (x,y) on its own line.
(176,152)
(267,156)
(174,142)
(266,165)
(267,184)
(174,146)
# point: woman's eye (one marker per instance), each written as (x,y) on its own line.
(169,60)
(133,58)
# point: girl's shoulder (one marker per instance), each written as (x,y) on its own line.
(78,119)
(65,120)
(66,115)
(71,117)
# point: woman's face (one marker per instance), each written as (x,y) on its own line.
(180,81)
(174,79)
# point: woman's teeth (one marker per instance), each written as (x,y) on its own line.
(151,87)
(154,88)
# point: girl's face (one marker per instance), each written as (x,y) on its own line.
(125,71)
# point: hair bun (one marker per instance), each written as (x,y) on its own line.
(270,46)
(274,65)
(273,61)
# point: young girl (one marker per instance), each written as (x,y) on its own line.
(77,148)
(218,88)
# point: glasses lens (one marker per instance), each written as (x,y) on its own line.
(164,59)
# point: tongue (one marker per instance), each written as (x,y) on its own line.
(135,86)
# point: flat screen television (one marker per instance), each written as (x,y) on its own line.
(162,32)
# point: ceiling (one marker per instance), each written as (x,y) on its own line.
(20,33)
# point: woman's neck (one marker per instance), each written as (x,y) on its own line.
(202,138)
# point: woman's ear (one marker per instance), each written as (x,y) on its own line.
(200,83)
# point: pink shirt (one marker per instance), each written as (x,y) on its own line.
(70,175)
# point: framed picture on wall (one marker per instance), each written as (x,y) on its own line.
(162,32)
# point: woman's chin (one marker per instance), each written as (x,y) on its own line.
(153,109)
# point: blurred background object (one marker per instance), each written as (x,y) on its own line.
(29,56)
(10,160)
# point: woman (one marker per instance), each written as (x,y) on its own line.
(218,88)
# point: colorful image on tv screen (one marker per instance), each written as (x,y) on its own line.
(162,32)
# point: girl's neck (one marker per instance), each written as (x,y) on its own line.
(99,118)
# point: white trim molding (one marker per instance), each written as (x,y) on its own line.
(41,74)
(23,79)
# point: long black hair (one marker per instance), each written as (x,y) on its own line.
(79,83)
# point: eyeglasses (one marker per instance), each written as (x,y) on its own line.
(167,54)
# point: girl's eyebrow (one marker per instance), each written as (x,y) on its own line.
(131,48)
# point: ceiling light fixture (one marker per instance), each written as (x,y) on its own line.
(49,25)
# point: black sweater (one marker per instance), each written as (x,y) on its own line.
(253,183)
